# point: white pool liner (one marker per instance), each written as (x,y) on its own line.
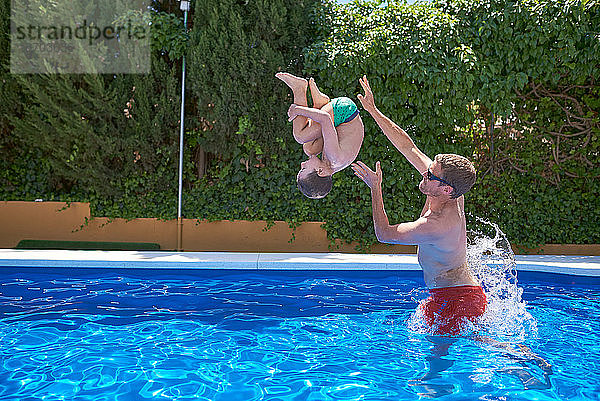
(574,265)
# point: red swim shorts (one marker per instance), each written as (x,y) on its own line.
(447,308)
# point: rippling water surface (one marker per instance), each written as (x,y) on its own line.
(246,335)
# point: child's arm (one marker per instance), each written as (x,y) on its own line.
(331,144)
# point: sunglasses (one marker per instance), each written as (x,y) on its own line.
(431,176)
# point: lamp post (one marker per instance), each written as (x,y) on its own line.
(185,7)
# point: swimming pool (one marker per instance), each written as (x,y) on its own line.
(278,331)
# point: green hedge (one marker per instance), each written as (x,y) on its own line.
(512,85)
(236,47)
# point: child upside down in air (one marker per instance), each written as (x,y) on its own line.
(332,128)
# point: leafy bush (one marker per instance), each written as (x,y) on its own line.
(236,48)
(90,136)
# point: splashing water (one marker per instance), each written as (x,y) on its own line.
(493,264)
(492,261)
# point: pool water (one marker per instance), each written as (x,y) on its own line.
(252,335)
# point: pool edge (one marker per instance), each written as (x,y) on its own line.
(573,265)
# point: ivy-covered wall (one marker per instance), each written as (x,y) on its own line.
(511,84)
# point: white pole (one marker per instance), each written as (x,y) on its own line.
(185,7)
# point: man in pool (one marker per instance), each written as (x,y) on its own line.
(332,128)
(440,230)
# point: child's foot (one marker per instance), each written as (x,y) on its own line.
(298,85)
(319,99)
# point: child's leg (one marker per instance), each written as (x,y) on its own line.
(313,147)
(304,129)
(331,146)
(298,86)
(319,99)
(309,133)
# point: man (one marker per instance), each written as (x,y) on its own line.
(332,128)
(439,232)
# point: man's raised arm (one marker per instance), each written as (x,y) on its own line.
(399,138)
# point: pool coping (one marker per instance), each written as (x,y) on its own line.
(572,265)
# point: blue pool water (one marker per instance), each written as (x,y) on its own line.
(251,335)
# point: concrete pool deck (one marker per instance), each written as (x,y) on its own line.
(573,265)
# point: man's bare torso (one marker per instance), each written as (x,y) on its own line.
(444,262)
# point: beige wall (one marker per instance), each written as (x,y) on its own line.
(56,221)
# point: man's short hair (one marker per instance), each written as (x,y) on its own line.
(458,171)
(314,186)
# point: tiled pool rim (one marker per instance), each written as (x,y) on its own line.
(572,265)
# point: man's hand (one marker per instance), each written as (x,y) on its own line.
(368,100)
(371,178)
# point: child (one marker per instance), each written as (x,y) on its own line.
(331,127)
